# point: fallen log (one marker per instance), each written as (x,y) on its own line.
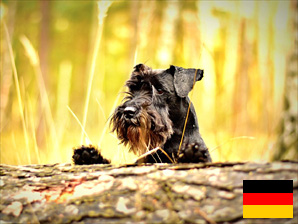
(159,193)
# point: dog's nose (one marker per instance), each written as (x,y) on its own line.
(129,112)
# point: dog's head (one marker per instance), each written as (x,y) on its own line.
(174,79)
(142,120)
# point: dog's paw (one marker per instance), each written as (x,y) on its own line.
(193,153)
(86,155)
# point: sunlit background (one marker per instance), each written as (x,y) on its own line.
(64,64)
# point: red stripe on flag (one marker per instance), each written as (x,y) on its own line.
(267,198)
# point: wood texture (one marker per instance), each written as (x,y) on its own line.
(160,193)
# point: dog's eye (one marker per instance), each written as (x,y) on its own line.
(160,91)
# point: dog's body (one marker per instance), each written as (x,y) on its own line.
(153,115)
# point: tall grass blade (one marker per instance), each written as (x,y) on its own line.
(20,102)
(32,127)
(232,139)
(102,10)
(101,109)
(111,112)
(77,119)
(34,59)
(63,96)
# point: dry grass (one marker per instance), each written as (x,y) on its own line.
(17,86)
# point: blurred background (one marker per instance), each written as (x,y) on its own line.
(64,65)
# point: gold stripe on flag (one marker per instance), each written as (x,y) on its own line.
(267,211)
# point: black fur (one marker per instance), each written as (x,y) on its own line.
(153,115)
(85,155)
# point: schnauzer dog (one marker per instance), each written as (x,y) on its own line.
(156,114)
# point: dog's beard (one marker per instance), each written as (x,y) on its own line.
(143,133)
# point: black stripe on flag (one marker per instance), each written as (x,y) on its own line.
(267,186)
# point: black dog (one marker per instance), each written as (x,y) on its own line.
(153,115)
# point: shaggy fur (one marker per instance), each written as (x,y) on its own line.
(153,115)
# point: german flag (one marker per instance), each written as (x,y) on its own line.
(267,198)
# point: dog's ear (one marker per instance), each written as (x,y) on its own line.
(184,79)
(141,68)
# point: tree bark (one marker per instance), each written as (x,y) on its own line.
(159,193)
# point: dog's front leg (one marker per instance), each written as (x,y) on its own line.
(193,153)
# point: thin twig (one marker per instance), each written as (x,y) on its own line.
(155,150)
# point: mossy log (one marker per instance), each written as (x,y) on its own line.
(159,193)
